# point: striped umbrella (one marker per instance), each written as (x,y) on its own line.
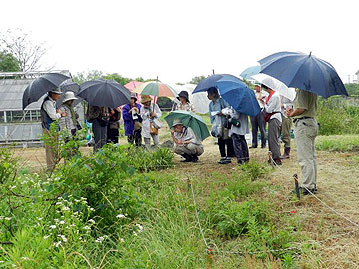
(156,89)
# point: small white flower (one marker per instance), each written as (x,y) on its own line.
(72,225)
(66,208)
(56,244)
(7,218)
(52,226)
(120,216)
(62,222)
(63,238)
(91,221)
(25,258)
(59,203)
(46,236)
(122,240)
(13,187)
(87,227)
(56,220)
(135,234)
(140,227)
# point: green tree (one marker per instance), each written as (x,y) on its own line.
(120,79)
(352,88)
(81,77)
(197,80)
(19,44)
(8,63)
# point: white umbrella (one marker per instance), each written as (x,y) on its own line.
(199,100)
(275,85)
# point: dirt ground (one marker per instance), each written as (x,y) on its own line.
(335,238)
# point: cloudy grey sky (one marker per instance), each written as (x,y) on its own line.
(177,40)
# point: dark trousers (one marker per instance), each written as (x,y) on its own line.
(222,147)
(258,122)
(240,148)
(135,138)
(99,133)
(274,126)
(112,135)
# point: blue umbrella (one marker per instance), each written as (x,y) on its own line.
(250,71)
(234,91)
(305,72)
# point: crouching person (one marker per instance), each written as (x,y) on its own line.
(185,141)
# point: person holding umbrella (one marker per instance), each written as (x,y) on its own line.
(99,118)
(150,114)
(184,102)
(132,121)
(305,131)
(49,114)
(258,122)
(286,126)
(113,125)
(273,116)
(185,141)
(215,109)
(69,122)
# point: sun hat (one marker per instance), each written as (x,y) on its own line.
(69,96)
(133,95)
(145,98)
(183,94)
(56,91)
(177,122)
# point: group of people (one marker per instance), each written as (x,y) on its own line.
(228,125)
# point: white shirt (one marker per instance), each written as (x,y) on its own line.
(145,115)
(50,108)
(188,134)
(273,105)
(261,95)
(243,129)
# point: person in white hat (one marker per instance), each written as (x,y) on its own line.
(49,114)
(69,122)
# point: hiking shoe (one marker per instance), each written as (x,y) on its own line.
(223,160)
(228,159)
(194,158)
(306,192)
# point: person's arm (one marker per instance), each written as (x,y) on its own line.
(51,111)
(302,104)
(158,111)
(211,117)
(192,108)
(126,115)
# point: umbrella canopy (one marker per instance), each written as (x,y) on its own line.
(132,85)
(234,91)
(155,88)
(199,100)
(305,72)
(189,119)
(66,86)
(275,85)
(41,86)
(250,71)
(103,92)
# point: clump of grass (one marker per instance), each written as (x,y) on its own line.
(341,143)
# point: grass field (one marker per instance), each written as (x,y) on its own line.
(248,215)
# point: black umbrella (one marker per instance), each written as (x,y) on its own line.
(66,86)
(40,86)
(103,92)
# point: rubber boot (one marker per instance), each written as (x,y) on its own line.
(187,158)
(286,154)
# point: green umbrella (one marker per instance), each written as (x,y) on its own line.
(189,119)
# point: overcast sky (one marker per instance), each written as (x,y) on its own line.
(177,40)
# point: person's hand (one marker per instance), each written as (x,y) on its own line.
(172,132)
(63,114)
(112,112)
(153,114)
(180,142)
(58,111)
(136,109)
(220,113)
